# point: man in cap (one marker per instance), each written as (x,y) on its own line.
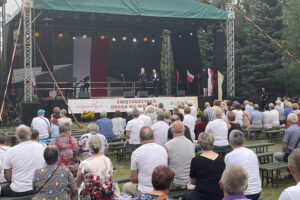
(41,124)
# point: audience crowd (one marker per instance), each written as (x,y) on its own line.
(171,151)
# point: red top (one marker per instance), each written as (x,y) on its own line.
(200,127)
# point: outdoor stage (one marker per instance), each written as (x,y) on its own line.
(112,104)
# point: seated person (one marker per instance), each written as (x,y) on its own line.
(133,129)
(179,117)
(143,161)
(234,183)
(105,126)
(180,158)
(54,128)
(3,150)
(162,178)
(293,192)
(20,163)
(206,171)
(58,174)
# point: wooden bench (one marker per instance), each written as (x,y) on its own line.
(265,158)
(177,194)
(270,172)
(122,180)
(274,135)
(260,147)
(17,198)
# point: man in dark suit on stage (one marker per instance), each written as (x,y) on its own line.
(155,79)
(142,79)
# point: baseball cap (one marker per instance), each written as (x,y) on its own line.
(41,111)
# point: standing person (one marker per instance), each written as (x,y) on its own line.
(200,126)
(155,80)
(267,118)
(105,126)
(293,192)
(248,160)
(133,129)
(68,149)
(248,106)
(3,150)
(280,110)
(193,109)
(128,116)
(143,161)
(256,117)
(275,115)
(263,97)
(45,179)
(232,125)
(206,171)
(118,124)
(20,163)
(56,113)
(180,158)
(54,128)
(204,78)
(179,117)
(238,114)
(209,111)
(142,79)
(246,117)
(147,120)
(41,124)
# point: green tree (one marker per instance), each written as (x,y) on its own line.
(257,58)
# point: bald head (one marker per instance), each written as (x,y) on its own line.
(207,104)
(177,128)
(146,135)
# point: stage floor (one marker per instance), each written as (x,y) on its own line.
(112,104)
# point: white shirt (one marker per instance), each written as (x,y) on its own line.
(275,115)
(42,125)
(3,151)
(190,121)
(238,116)
(134,126)
(247,159)
(219,130)
(194,111)
(24,159)
(144,159)
(267,119)
(160,132)
(146,119)
(63,120)
(291,193)
(118,126)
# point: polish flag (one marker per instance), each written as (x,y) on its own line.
(190,77)
(178,76)
(211,82)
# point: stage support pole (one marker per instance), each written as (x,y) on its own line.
(230,51)
(167,63)
(27,26)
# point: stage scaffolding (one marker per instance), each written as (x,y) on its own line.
(28,79)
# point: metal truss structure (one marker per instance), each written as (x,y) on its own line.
(27,19)
(230,51)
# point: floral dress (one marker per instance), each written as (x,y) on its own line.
(148,196)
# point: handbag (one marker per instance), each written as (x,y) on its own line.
(288,151)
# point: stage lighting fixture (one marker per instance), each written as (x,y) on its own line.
(84,36)
(74,38)
(145,39)
(36,34)
(124,38)
(113,39)
(60,35)
(191,33)
(153,41)
(180,36)
(102,37)
(134,40)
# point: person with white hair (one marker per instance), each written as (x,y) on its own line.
(92,129)
(234,183)
(105,126)
(219,130)
(293,192)
(147,120)
(280,109)
(190,121)
(20,163)
(96,172)
(133,129)
(248,106)
(287,110)
(247,159)
(151,112)
(290,139)
(64,120)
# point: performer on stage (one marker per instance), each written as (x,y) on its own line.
(155,79)
(204,79)
(263,97)
(86,84)
(142,79)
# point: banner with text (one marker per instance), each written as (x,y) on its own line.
(121,104)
